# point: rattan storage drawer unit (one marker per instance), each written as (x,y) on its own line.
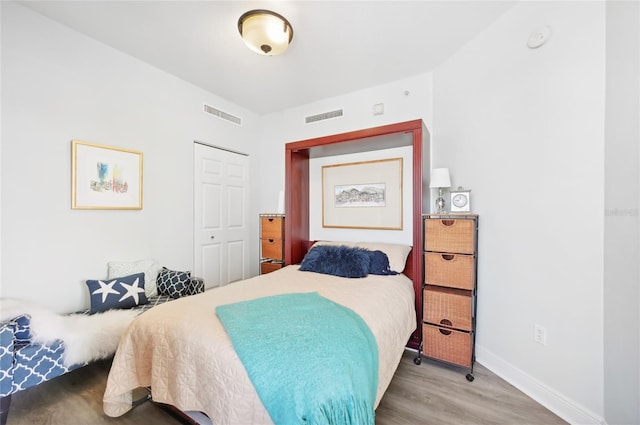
(447,307)
(451,270)
(447,344)
(269,266)
(271,226)
(449,289)
(272,249)
(271,242)
(446,234)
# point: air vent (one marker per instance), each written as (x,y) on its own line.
(222,115)
(323,116)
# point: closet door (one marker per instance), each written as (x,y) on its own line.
(221,215)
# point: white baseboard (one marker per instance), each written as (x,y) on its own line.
(562,406)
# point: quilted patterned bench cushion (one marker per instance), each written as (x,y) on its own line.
(6,359)
(153,301)
(25,364)
(36,363)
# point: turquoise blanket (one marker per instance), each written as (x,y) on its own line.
(311,361)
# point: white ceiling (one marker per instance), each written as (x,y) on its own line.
(338,46)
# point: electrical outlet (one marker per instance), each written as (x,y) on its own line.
(540,334)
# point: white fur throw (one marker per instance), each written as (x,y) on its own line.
(85,338)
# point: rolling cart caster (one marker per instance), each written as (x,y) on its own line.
(417,360)
(470,377)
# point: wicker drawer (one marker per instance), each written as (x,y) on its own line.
(268,267)
(272,227)
(272,248)
(449,235)
(451,270)
(448,307)
(447,344)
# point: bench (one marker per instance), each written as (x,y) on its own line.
(25,364)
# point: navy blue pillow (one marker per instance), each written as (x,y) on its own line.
(172,282)
(340,261)
(379,264)
(121,292)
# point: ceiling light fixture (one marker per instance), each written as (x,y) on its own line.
(265,32)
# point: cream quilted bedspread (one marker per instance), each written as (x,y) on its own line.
(181,350)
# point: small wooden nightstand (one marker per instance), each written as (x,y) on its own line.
(271,242)
(449,289)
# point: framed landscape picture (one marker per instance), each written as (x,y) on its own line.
(363,195)
(105,178)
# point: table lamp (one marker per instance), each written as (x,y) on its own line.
(440,180)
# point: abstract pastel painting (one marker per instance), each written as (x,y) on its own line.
(105,177)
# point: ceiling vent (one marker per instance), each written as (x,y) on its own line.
(323,116)
(222,115)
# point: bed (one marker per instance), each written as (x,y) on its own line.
(183,352)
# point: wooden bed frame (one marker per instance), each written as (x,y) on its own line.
(297,155)
(297,242)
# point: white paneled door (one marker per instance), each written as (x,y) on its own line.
(221,215)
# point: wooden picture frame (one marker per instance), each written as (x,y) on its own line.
(105,177)
(363,195)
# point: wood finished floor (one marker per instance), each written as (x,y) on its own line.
(431,393)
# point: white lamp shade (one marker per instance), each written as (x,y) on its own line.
(265,32)
(440,178)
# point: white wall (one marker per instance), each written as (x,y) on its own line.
(622,202)
(404,100)
(524,129)
(58,85)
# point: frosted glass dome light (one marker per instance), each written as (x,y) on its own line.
(265,32)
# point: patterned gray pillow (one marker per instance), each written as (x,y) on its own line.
(172,282)
(150,268)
